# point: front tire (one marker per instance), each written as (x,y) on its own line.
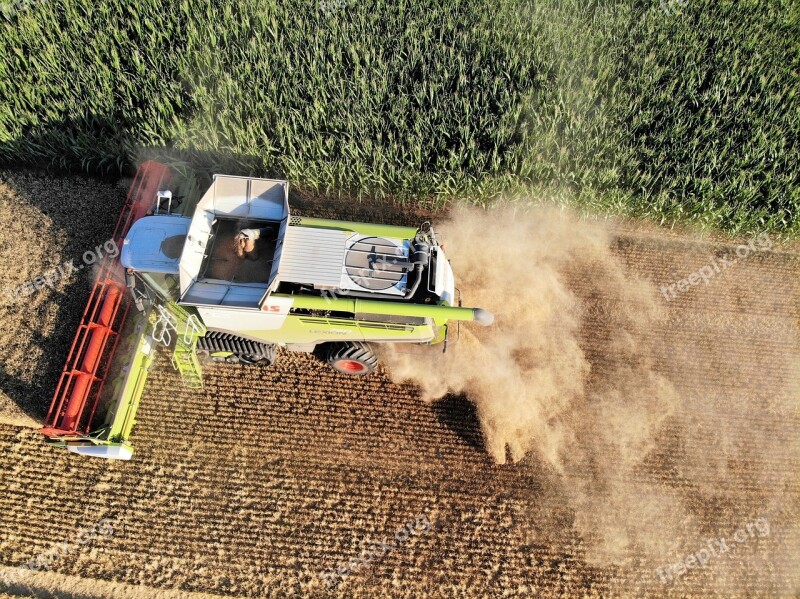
(353,358)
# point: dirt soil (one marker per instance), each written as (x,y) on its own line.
(261,493)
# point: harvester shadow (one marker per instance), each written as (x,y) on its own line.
(460,416)
(25,395)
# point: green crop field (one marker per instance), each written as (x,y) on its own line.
(679,110)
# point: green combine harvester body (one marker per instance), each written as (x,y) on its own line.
(233,276)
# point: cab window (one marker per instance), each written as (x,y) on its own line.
(165,285)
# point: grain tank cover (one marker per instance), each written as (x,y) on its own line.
(247,198)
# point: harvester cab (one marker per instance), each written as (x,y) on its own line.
(230,278)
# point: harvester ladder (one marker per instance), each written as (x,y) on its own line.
(188,329)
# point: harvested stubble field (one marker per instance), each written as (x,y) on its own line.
(267,478)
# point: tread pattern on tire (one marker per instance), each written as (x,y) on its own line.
(353,350)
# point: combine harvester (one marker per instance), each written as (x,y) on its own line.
(230,278)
